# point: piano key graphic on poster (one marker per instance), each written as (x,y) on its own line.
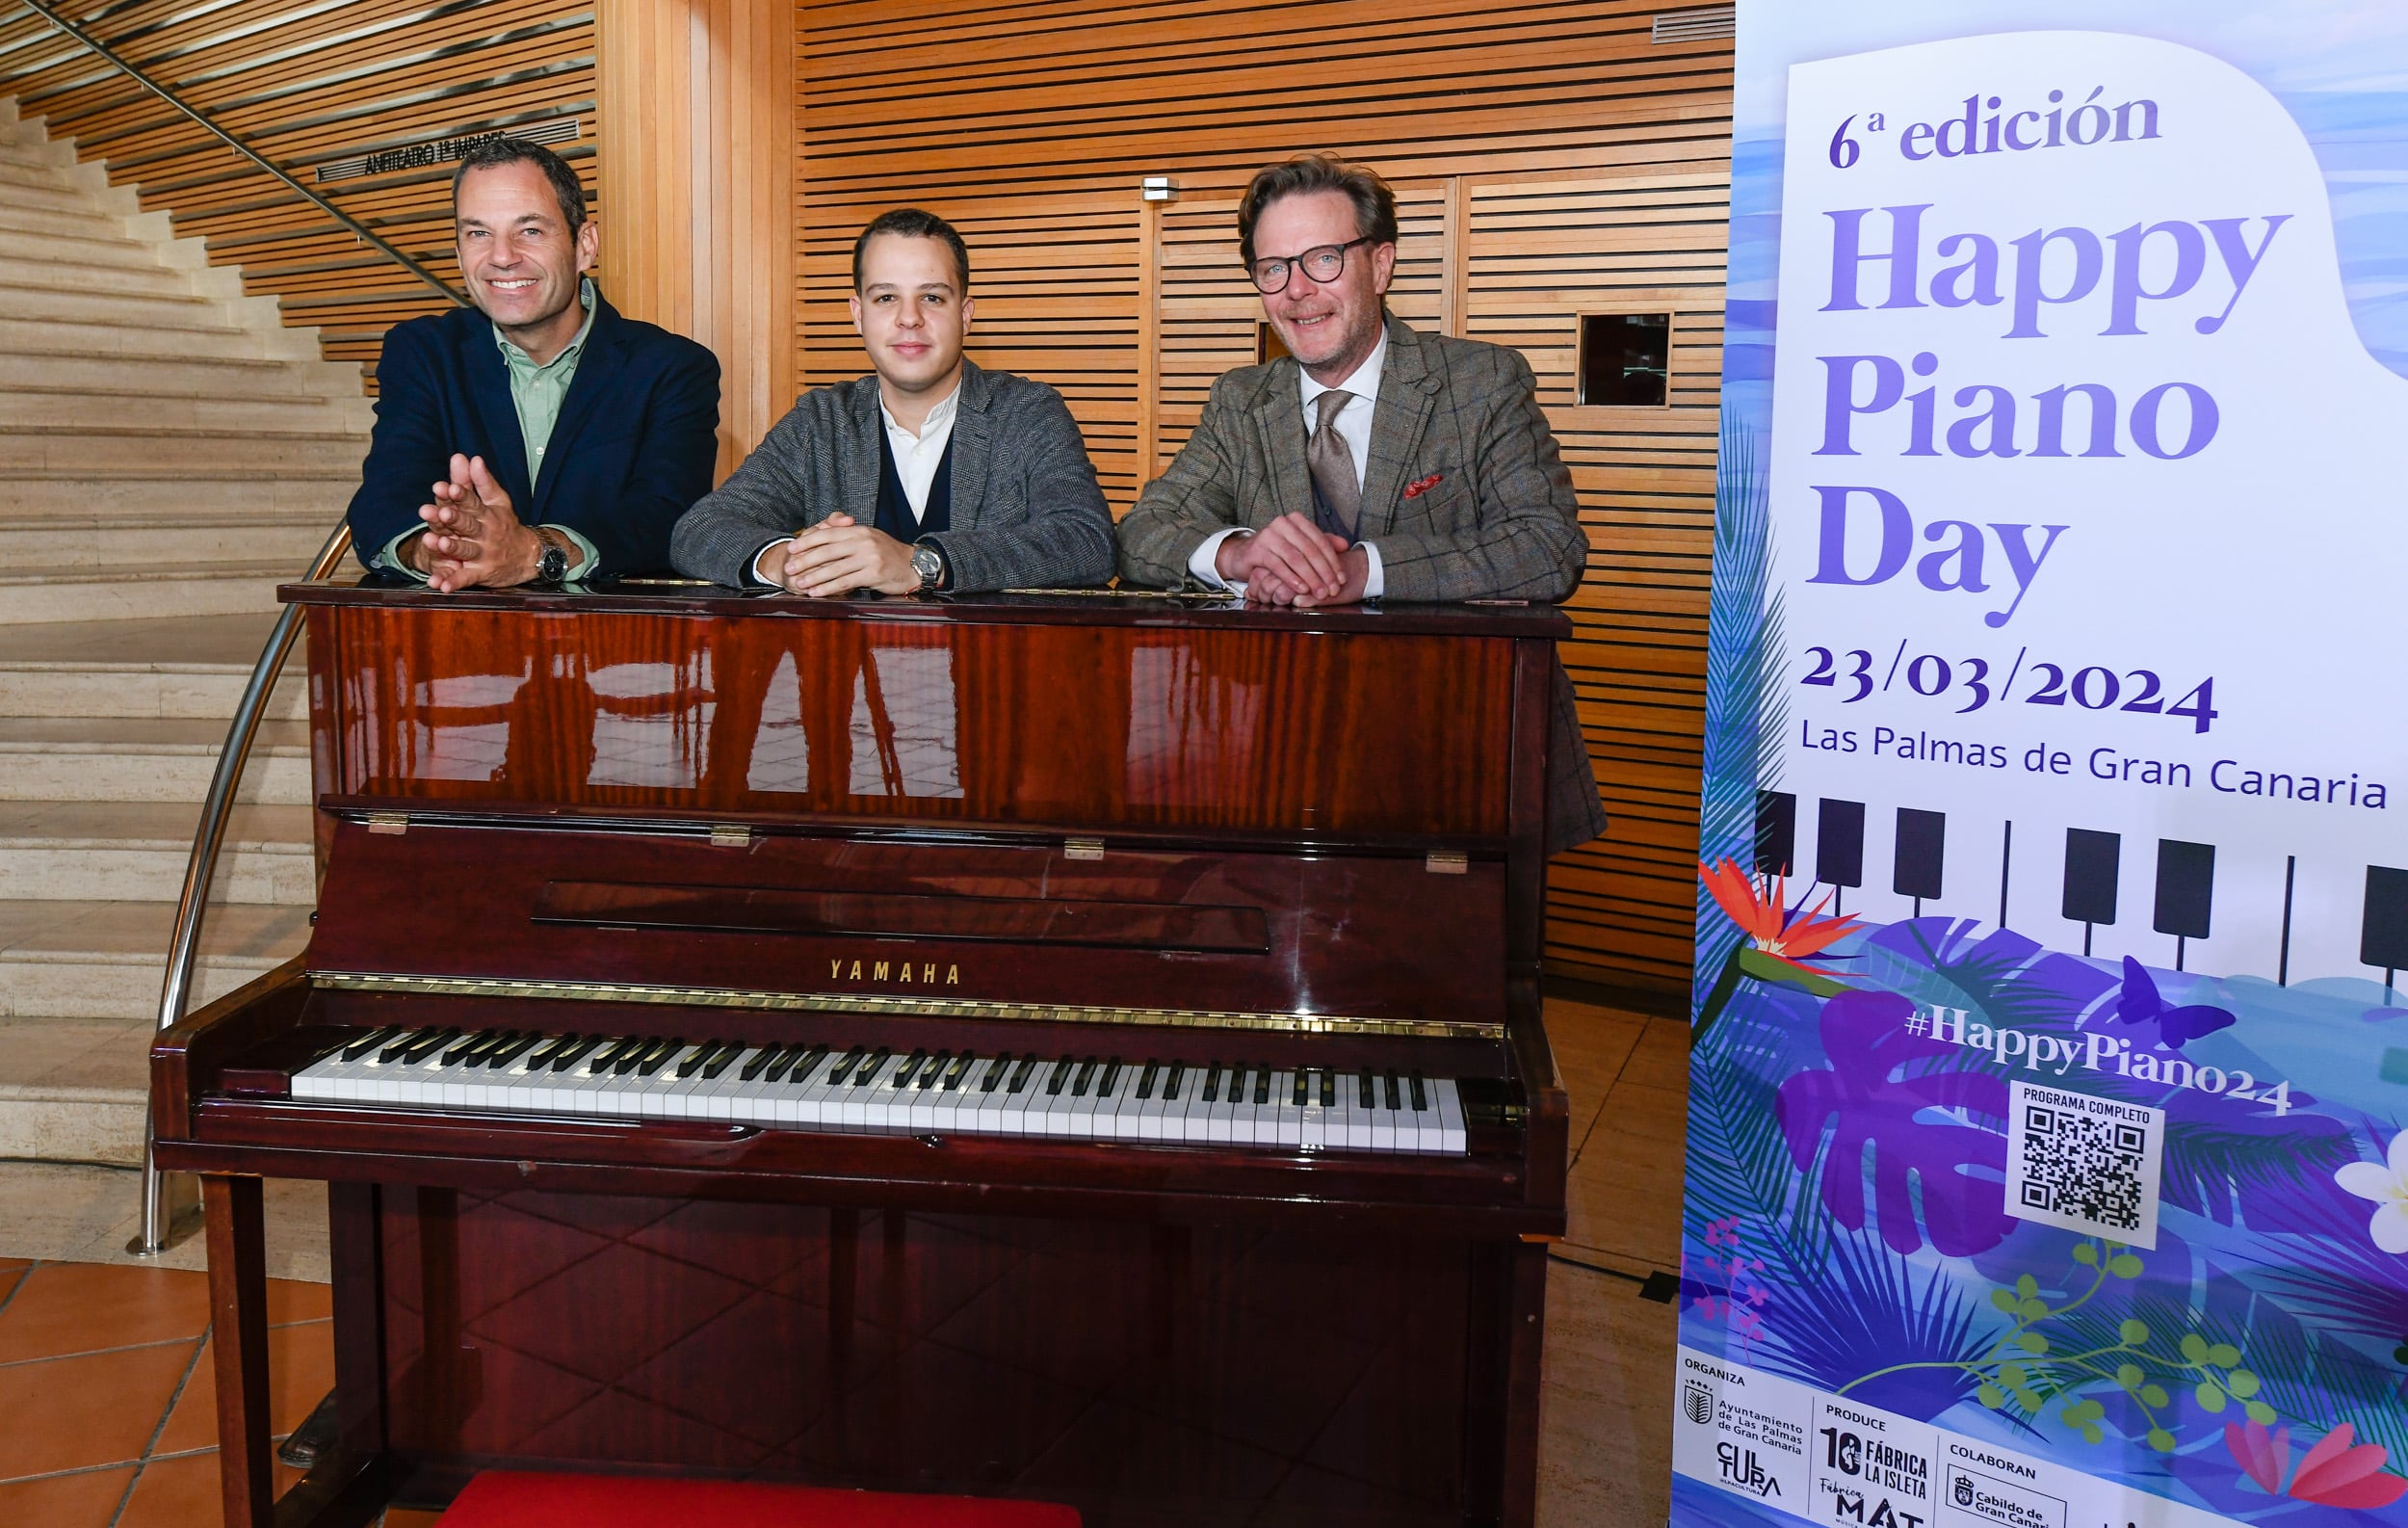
(2048,1156)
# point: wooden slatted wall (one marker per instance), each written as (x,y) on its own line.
(305,81)
(1551,160)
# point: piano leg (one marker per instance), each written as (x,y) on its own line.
(238,1310)
(357,1242)
(1509,1316)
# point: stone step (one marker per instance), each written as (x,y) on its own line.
(192,540)
(117,251)
(20,300)
(86,452)
(95,961)
(169,373)
(48,189)
(225,411)
(62,496)
(108,336)
(107,759)
(74,222)
(137,852)
(190,668)
(40,596)
(19,175)
(59,271)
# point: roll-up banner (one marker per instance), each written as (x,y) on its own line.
(2047,1154)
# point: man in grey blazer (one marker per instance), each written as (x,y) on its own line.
(1370,461)
(931,475)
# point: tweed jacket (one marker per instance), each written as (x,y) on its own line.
(1465,495)
(1027,511)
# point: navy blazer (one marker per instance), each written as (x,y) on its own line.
(634,445)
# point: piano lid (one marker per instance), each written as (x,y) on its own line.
(998,926)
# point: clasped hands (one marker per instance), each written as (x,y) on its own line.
(836,557)
(474,538)
(1294,561)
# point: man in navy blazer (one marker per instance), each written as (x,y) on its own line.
(538,435)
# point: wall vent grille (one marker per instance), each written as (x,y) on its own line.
(1701,25)
(444,150)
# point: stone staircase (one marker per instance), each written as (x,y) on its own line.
(169,452)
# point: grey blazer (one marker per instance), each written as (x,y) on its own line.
(1497,519)
(1027,511)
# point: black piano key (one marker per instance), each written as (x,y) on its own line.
(1304,1087)
(1211,1082)
(428,1043)
(1111,1075)
(843,1069)
(776,1063)
(657,1055)
(1776,833)
(2093,864)
(1363,1098)
(2383,932)
(867,1072)
(499,1059)
(1396,1094)
(1170,1081)
(934,1069)
(995,1071)
(1087,1075)
(368,1042)
(1021,1073)
(690,1064)
(803,1070)
(1060,1077)
(480,1041)
(1146,1080)
(570,1054)
(910,1068)
(1329,1088)
(761,1062)
(1840,843)
(959,1069)
(1921,848)
(549,1051)
(400,1045)
(2186,888)
(721,1060)
(1262,1086)
(1421,1094)
(634,1051)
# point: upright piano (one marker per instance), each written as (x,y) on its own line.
(1075,1048)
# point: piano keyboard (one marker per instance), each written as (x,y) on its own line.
(2167,901)
(876,1090)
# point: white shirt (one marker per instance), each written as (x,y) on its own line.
(1354,425)
(918,457)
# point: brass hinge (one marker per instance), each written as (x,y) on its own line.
(394,822)
(1447,863)
(731,835)
(1083,849)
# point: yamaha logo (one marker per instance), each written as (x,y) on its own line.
(1697,1404)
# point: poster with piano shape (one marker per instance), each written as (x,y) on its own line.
(2048,1157)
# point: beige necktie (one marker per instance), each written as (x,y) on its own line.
(1332,463)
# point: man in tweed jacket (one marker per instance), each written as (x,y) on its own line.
(1369,461)
(928,475)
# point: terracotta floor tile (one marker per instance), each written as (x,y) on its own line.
(300,1370)
(86,1499)
(92,1408)
(12,1264)
(1624,1193)
(86,1307)
(184,1492)
(291,1300)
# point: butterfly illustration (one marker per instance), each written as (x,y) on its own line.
(2140,1004)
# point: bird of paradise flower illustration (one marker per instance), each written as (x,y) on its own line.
(1780,939)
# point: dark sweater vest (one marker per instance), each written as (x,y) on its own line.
(894,509)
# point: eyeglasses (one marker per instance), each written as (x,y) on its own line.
(1324,264)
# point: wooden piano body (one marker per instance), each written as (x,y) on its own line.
(1109,826)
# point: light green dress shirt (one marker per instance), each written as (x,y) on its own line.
(537,393)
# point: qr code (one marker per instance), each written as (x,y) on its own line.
(2084,1164)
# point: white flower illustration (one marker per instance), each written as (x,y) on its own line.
(2387,1185)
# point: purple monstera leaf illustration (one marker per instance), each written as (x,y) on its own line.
(1881,1078)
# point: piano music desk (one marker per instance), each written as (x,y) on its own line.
(1084,1048)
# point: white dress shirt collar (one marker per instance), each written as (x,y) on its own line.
(1363,382)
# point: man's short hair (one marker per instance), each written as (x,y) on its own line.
(912,223)
(517,150)
(1375,205)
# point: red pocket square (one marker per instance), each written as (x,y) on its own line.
(1421,486)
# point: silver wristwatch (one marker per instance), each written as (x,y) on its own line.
(930,563)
